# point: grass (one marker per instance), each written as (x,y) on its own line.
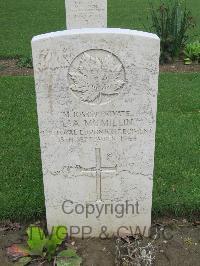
(21,191)
(20,20)
(177,164)
(177,161)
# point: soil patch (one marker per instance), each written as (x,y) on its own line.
(178,66)
(9,67)
(177,243)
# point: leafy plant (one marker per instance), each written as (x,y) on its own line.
(187,61)
(36,240)
(171,21)
(45,246)
(68,258)
(25,62)
(23,261)
(56,238)
(192,52)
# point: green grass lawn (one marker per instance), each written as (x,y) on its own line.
(177,164)
(20,20)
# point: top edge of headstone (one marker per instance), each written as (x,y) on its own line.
(95,31)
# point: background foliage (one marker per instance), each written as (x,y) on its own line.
(171,21)
(22,19)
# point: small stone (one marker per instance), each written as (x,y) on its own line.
(86,14)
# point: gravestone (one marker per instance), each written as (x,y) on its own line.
(86,13)
(96,99)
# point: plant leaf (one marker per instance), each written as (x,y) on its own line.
(17,251)
(69,262)
(51,249)
(36,240)
(23,261)
(58,234)
(69,253)
(56,237)
(68,258)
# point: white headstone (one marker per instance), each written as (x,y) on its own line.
(96,100)
(86,14)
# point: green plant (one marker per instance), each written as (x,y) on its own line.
(171,22)
(40,245)
(25,61)
(45,248)
(192,52)
(68,258)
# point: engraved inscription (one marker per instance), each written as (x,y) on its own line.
(96,76)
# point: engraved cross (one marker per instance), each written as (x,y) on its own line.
(99,169)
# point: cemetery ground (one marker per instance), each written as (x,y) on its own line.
(182,249)
(177,166)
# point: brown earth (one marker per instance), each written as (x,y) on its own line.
(9,67)
(179,245)
(180,67)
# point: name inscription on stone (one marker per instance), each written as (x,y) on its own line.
(99,126)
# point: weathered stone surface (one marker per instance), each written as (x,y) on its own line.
(96,99)
(86,14)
